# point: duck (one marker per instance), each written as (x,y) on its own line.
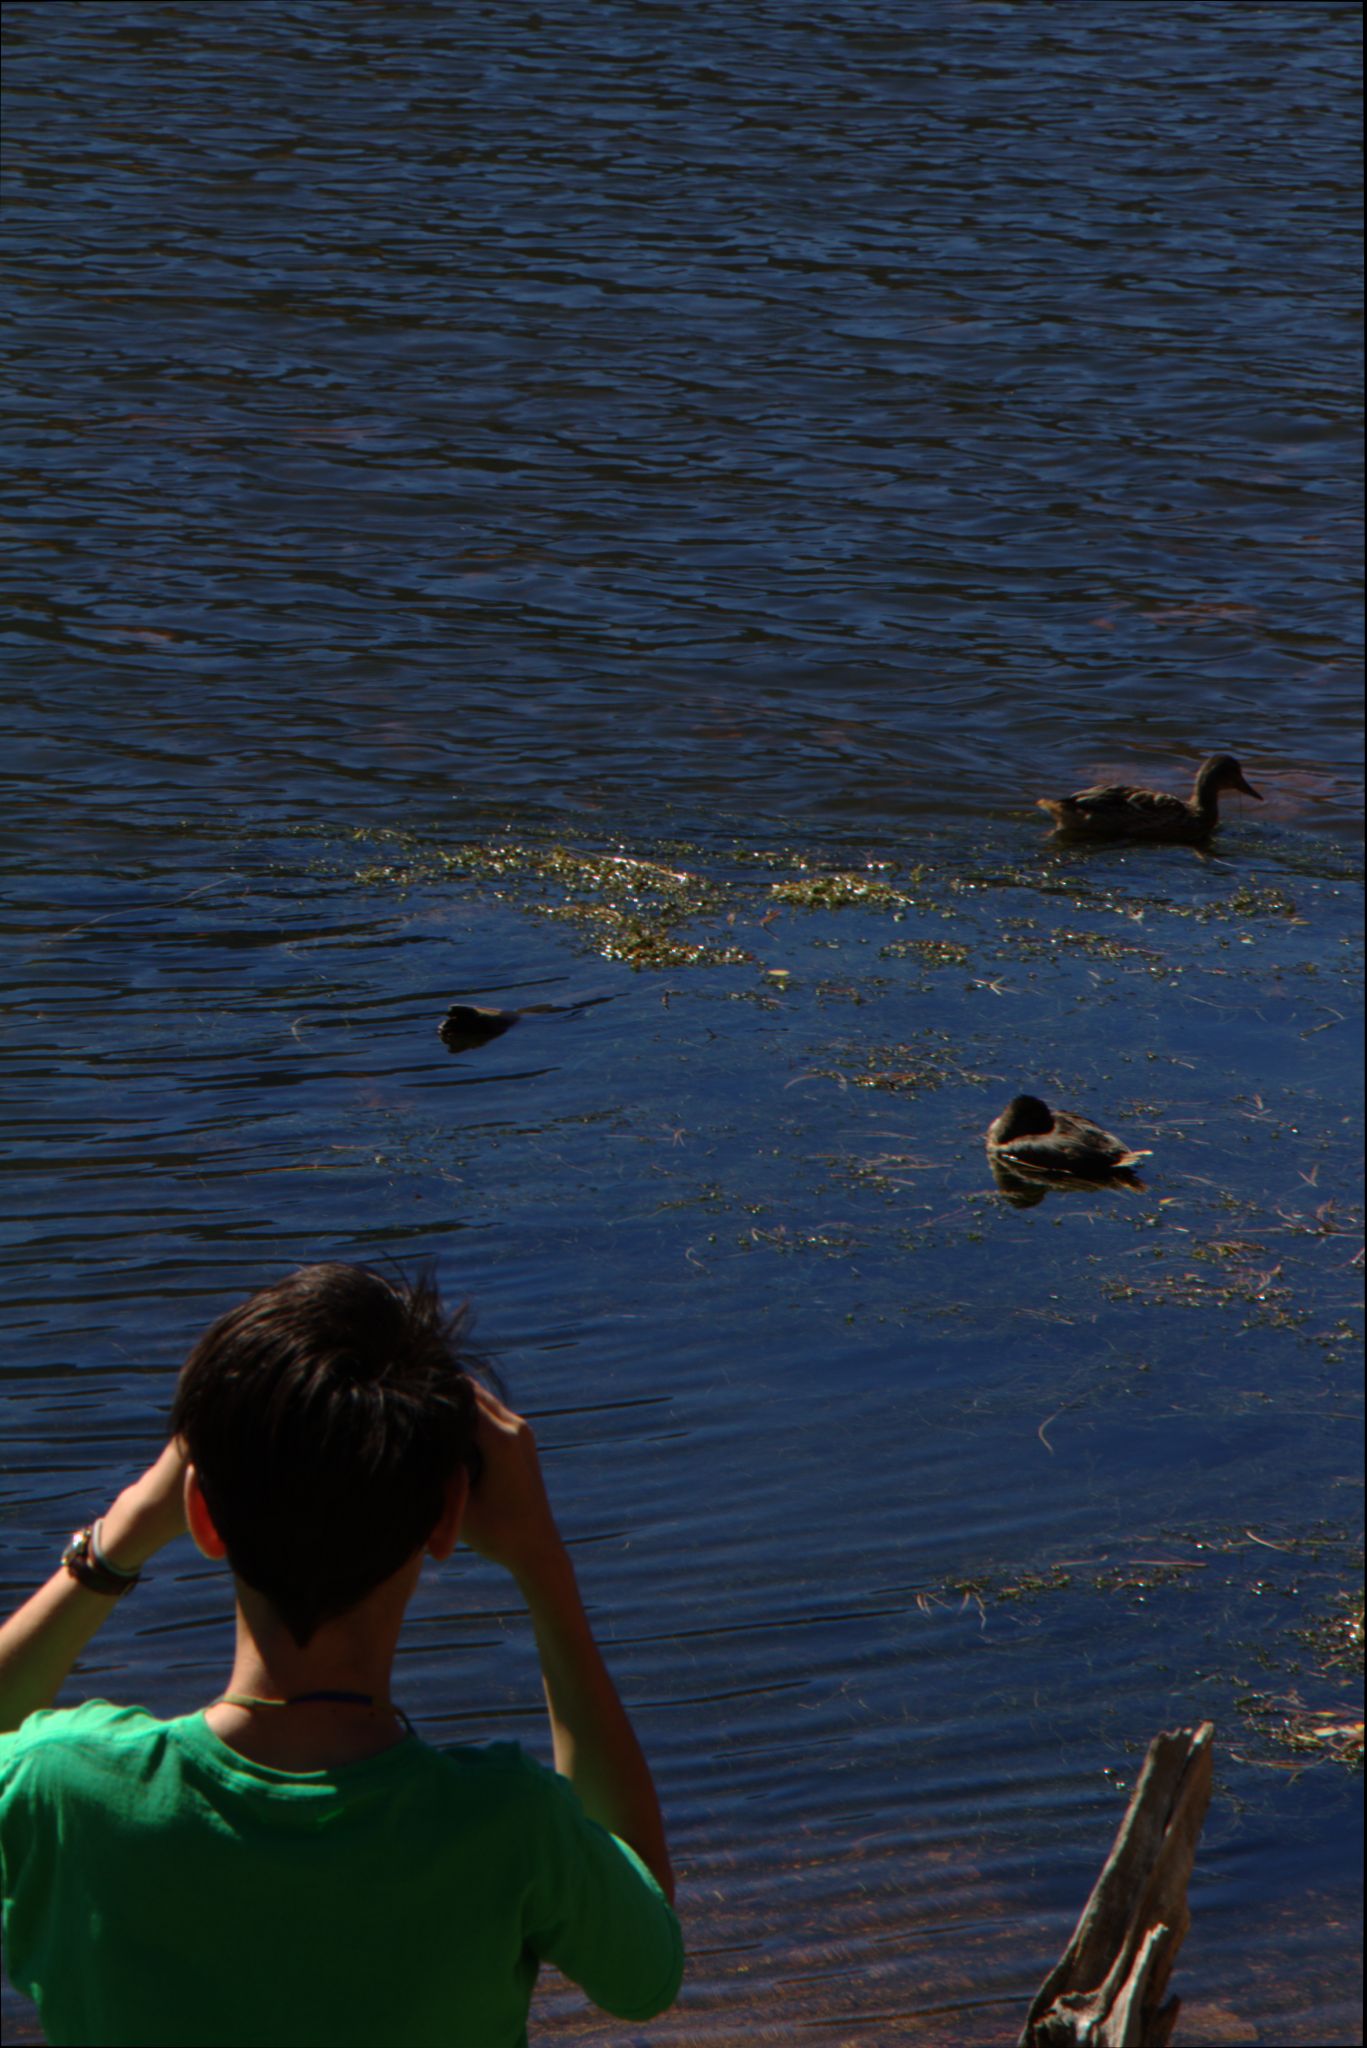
(1119,810)
(1030,1138)
(466,1026)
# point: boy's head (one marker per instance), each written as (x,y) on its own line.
(325,1417)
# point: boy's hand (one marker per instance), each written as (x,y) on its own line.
(508,1517)
(147,1515)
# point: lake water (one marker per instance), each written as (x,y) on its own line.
(502,503)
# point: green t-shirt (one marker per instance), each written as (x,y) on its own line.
(158,1887)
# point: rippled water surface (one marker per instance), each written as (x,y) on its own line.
(504,502)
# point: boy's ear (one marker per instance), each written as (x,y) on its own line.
(198,1519)
(446,1535)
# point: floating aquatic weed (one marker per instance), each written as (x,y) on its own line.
(1319,1651)
(760,998)
(885,1173)
(627,908)
(840,889)
(931,952)
(1248,901)
(1335,1638)
(639,941)
(927,1061)
(1095,946)
(1248,1285)
(834,1239)
(1316,1732)
(1288,1723)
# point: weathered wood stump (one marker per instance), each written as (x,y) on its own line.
(1106,1989)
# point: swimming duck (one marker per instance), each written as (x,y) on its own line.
(469,1025)
(1117,810)
(1029,1137)
(466,1025)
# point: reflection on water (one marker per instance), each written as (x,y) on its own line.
(1026,1190)
(522,511)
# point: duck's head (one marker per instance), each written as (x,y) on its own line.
(1025,1116)
(1222,771)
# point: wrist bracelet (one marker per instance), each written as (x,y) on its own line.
(106,1564)
(83,1562)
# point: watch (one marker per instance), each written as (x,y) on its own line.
(83,1560)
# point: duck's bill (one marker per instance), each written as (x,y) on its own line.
(1248,789)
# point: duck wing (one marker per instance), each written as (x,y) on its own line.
(1094,1150)
(1040,1154)
(1119,806)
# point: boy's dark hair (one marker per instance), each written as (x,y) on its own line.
(324,1416)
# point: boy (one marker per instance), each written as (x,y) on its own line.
(290,1863)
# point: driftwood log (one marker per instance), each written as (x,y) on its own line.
(1106,1989)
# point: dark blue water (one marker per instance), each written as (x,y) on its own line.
(752,442)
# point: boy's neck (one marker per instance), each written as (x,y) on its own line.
(353,1655)
(310,1737)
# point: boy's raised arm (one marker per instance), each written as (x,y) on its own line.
(509,1520)
(42,1639)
